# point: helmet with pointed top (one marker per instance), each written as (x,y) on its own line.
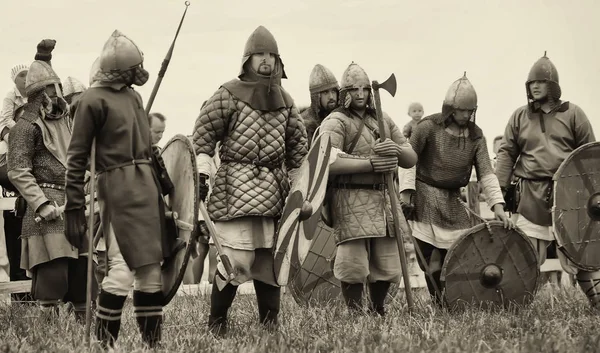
(544,70)
(261,41)
(321,79)
(120,54)
(461,95)
(71,86)
(355,77)
(39,76)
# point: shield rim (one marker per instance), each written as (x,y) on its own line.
(475,229)
(556,180)
(287,252)
(168,296)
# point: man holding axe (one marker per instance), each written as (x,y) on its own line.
(362,212)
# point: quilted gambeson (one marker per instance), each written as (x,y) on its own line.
(360,213)
(257,150)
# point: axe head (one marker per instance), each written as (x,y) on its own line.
(389,85)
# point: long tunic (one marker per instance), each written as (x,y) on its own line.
(127,184)
(36,168)
(360,213)
(445,165)
(536,144)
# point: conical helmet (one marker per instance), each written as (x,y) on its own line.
(321,79)
(544,70)
(355,77)
(120,54)
(261,41)
(461,95)
(39,76)
(71,86)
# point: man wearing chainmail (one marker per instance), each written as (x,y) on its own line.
(360,205)
(538,138)
(324,90)
(262,138)
(37,160)
(440,217)
(111,113)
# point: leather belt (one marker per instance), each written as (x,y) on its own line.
(379,187)
(125,164)
(51,186)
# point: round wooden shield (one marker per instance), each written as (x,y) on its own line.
(490,267)
(298,223)
(576,199)
(311,273)
(182,209)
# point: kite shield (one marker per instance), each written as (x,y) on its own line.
(302,211)
(576,210)
(181,210)
(490,270)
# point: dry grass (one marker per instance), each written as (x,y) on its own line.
(559,320)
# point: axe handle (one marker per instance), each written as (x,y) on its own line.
(389,181)
(213,233)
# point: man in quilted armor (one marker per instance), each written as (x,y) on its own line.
(360,204)
(262,139)
(324,91)
(539,136)
(111,113)
(37,160)
(440,217)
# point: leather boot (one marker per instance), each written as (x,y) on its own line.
(148,312)
(220,302)
(268,298)
(108,318)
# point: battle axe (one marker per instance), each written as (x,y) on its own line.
(390,86)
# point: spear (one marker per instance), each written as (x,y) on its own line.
(165,63)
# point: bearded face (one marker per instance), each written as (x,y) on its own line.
(328,99)
(263,63)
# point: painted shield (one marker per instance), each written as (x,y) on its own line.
(490,267)
(181,208)
(575,214)
(300,216)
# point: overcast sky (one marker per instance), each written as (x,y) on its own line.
(427,44)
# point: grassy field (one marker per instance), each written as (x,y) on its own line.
(559,320)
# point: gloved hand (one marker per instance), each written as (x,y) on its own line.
(75,226)
(388,148)
(203,229)
(44,50)
(203,186)
(407,203)
(384,164)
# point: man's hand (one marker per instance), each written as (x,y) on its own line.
(384,164)
(44,50)
(203,186)
(387,148)
(502,216)
(48,212)
(407,204)
(75,227)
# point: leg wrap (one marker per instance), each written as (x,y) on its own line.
(148,312)
(108,317)
(352,293)
(220,302)
(268,298)
(590,285)
(378,292)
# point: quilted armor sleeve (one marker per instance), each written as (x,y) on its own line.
(296,145)
(211,125)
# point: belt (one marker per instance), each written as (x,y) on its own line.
(379,187)
(51,186)
(125,164)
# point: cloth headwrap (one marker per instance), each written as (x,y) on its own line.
(16,70)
